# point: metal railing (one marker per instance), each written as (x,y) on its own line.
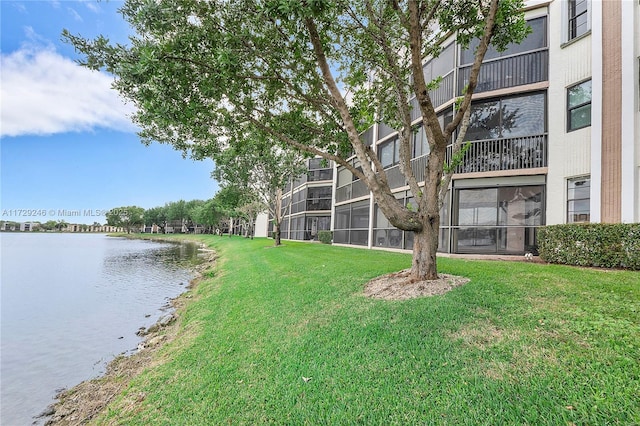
(512,71)
(527,152)
(444,93)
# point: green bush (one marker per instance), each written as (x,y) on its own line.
(325,237)
(595,244)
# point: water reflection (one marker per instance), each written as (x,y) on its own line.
(71,302)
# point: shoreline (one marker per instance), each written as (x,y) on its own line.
(86,400)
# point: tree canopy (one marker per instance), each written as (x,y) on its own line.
(260,169)
(126,217)
(310,75)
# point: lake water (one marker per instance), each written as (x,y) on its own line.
(70,303)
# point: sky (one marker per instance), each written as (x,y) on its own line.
(68,150)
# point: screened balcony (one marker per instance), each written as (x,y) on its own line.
(528,152)
(513,71)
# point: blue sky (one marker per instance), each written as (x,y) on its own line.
(66,143)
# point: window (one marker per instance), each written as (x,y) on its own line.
(578,18)
(440,66)
(319,198)
(507,118)
(499,220)
(389,153)
(578,200)
(579,106)
(319,169)
(537,39)
(420,145)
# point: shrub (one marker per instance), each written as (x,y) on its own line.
(325,237)
(595,244)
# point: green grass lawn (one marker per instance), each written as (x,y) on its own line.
(521,343)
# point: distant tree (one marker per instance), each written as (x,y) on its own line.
(61,224)
(156,216)
(126,217)
(260,169)
(49,225)
(176,210)
(229,199)
(208,214)
(192,209)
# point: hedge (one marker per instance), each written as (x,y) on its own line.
(596,244)
(325,237)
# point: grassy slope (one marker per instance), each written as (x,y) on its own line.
(520,344)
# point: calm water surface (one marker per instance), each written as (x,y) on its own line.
(70,303)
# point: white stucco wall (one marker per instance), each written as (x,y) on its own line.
(569,152)
(262,225)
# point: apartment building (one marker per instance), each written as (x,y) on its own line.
(307,202)
(554,138)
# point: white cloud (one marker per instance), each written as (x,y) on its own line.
(43,92)
(75,14)
(93,7)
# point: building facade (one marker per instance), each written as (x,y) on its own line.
(307,202)
(554,137)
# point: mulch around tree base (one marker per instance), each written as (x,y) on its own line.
(400,286)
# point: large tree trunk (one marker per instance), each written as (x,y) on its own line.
(425,246)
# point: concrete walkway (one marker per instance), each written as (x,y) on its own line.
(505,257)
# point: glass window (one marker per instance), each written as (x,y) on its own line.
(419,144)
(386,153)
(507,118)
(477,206)
(440,66)
(537,39)
(579,106)
(356,164)
(484,121)
(367,136)
(578,200)
(344,176)
(578,18)
(522,116)
(319,192)
(520,205)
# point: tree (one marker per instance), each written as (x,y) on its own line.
(126,217)
(61,224)
(228,199)
(156,216)
(260,169)
(192,208)
(208,214)
(49,225)
(312,75)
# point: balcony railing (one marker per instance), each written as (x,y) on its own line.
(508,72)
(444,93)
(526,152)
